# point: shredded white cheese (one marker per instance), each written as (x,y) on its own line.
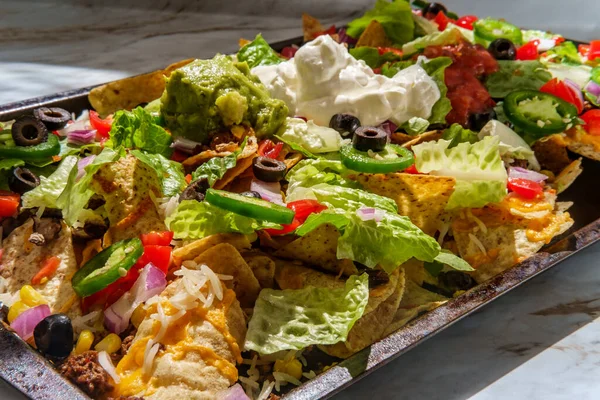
(477,243)
(266,390)
(149,355)
(106,363)
(86,322)
(479,222)
(282,379)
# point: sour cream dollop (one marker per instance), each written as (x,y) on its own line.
(323,79)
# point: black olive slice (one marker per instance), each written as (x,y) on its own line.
(433,9)
(503,49)
(54,336)
(195,190)
(345,124)
(23,180)
(369,138)
(268,169)
(477,121)
(456,280)
(29,131)
(252,193)
(54,118)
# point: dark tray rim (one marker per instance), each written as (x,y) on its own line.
(28,372)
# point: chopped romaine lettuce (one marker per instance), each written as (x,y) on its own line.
(137,129)
(416,125)
(170,173)
(448,258)
(309,173)
(511,144)
(311,137)
(457,134)
(295,319)
(478,169)
(423,26)
(349,199)
(516,75)
(195,220)
(580,74)
(258,52)
(450,35)
(50,188)
(395,17)
(215,168)
(564,53)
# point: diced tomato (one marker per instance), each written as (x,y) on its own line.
(269,149)
(157,238)
(304,208)
(411,170)
(289,51)
(558,40)
(102,126)
(592,122)
(179,156)
(289,228)
(9,203)
(466,21)
(529,51)
(594,50)
(383,50)
(188,178)
(160,256)
(377,70)
(329,31)
(525,188)
(584,49)
(560,89)
(48,269)
(442,20)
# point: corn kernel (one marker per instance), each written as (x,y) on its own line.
(84,342)
(31,297)
(111,344)
(138,315)
(16,309)
(292,367)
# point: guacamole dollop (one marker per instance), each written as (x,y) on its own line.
(206,96)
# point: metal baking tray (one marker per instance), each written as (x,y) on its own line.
(28,372)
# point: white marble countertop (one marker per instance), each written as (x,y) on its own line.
(540,341)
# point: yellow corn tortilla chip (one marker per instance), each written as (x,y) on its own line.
(422,198)
(589,150)
(225,259)
(129,92)
(191,163)
(19,266)
(310,27)
(241,166)
(318,248)
(242,42)
(551,153)
(415,302)
(197,247)
(582,143)
(262,266)
(374,36)
(423,137)
(567,176)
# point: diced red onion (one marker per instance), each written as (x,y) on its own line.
(152,281)
(26,322)
(81,164)
(369,214)
(518,172)
(82,124)
(344,38)
(593,88)
(235,392)
(187,146)
(575,88)
(389,127)
(270,191)
(81,137)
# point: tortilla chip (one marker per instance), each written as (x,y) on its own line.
(319,248)
(422,198)
(424,137)
(241,166)
(197,247)
(567,176)
(20,266)
(551,153)
(372,325)
(242,42)
(588,150)
(310,27)
(130,92)
(263,268)
(374,36)
(191,163)
(127,187)
(415,301)
(290,157)
(225,259)
(400,138)
(507,239)
(582,143)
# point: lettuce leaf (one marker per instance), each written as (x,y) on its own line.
(50,188)
(196,220)
(450,259)
(415,125)
(350,199)
(309,173)
(326,217)
(77,193)
(170,173)
(511,144)
(450,35)
(395,17)
(516,75)
(564,53)
(258,52)
(137,129)
(295,319)
(310,136)
(457,134)
(371,56)
(216,168)
(478,169)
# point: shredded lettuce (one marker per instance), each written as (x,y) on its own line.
(564,53)
(371,56)
(196,220)
(170,173)
(395,17)
(50,188)
(295,319)
(478,169)
(258,52)
(137,129)
(511,144)
(516,75)
(450,35)
(77,193)
(216,168)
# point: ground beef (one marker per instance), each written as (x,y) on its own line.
(126,344)
(222,141)
(85,372)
